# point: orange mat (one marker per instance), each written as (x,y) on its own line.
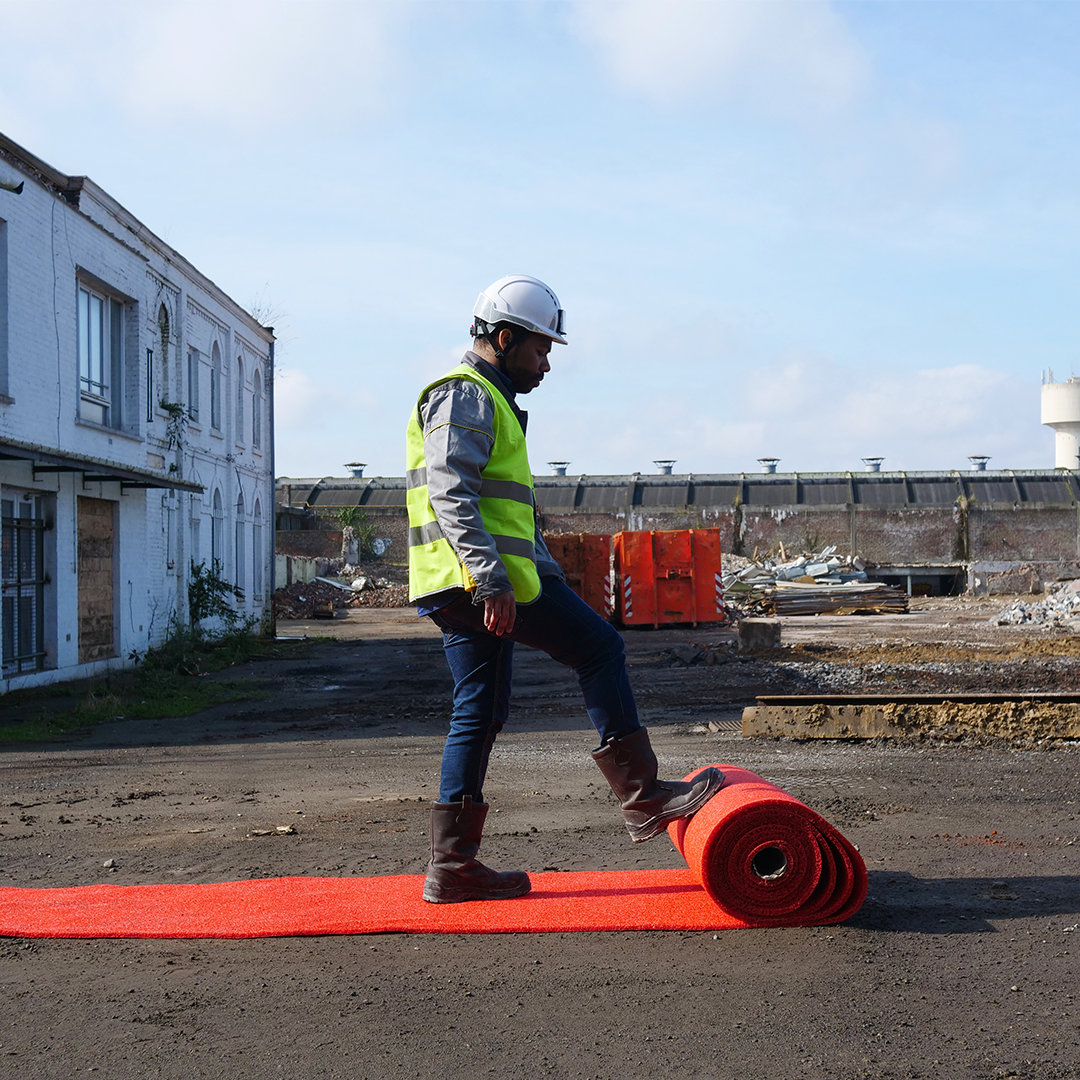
(756,857)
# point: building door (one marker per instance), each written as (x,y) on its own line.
(97,543)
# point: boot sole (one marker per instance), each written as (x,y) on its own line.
(461,896)
(655,826)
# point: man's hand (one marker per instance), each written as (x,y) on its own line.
(500,612)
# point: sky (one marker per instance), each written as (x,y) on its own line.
(804,230)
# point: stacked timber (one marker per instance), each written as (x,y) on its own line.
(813,584)
(841,598)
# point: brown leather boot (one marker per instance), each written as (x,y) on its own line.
(454,874)
(650,805)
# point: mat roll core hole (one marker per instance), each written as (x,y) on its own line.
(769,864)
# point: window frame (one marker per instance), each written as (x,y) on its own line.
(101,379)
(239,439)
(217,530)
(256,554)
(215,387)
(240,551)
(256,409)
(193,377)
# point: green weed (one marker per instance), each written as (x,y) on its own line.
(166,682)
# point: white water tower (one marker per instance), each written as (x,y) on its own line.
(1061,411)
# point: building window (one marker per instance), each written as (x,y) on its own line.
(215,387)
(241,568)
(22,573)
(239,399)
(163,342)
(217,527)
(196,524)
(256,410)
(101,357)
(194,366)
(257,555)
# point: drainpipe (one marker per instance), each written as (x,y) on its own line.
(271,517)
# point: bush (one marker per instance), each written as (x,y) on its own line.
(209,596)
(352,517)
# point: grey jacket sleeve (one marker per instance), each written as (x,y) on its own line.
(458,422)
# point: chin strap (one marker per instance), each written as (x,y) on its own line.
(480,328)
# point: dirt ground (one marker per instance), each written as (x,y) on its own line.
(964,961)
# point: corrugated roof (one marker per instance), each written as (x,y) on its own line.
(562,494)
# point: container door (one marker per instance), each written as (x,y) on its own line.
(636,602)
(596,573)
(673,560)
(708,576)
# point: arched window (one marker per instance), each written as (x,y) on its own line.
(257,555)
(196,523)
(217,529)
(241,567)
(215,387)
(240,399)
(257,410)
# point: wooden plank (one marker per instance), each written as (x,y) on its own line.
(96,545)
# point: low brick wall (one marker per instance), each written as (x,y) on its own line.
(309,543)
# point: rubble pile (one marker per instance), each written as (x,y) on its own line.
(323,598)
(1061,607)
(811,584)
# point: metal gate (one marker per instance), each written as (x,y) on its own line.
(22,574)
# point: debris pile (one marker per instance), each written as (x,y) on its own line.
(813,584)
(323,598)
(1061,607)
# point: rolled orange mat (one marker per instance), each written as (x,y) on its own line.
(757,857)
(767,859)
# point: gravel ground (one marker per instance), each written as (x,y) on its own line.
(963,962)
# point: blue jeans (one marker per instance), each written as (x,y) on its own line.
(559,623)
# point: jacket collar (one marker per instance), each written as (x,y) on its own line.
(494,375)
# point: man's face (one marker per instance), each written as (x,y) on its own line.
(526,362)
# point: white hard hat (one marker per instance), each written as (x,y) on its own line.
(522,300)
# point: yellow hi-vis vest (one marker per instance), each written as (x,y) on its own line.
(507,505)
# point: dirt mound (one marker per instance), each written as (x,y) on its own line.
(315,599)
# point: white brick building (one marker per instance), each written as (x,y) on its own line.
(136,431)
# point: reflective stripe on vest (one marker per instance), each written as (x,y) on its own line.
(507,506)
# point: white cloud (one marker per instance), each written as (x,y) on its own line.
(812,413)
(818,415)
(793,57)
(255,64)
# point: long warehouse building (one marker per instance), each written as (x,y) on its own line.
(947,532)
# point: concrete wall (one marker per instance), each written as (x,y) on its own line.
(290,568)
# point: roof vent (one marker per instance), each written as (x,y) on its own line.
(663,467)
(978,462)
(558,468)
(873,464)
(768,464)
(356,469)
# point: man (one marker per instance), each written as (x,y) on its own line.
(479,568)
